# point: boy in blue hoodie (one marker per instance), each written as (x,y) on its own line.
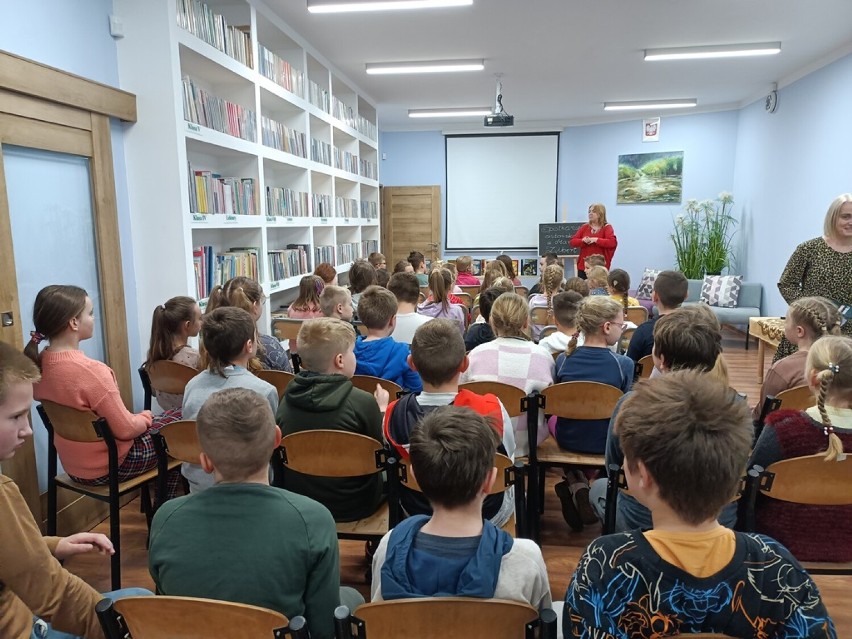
(378,354)
(455,553)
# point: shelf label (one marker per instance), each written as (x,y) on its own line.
(275,284)
(346,220)
(289,220)
(231,219)
(198,217)
(271,219)
(193,128)
(323,220)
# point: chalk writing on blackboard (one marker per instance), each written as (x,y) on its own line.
(555,238)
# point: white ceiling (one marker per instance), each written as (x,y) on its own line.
(561,59)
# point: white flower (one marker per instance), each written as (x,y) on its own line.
(725,197)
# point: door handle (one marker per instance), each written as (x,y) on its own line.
(8,319)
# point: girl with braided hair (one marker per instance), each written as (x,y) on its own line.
(618,284)
(812,533)
(551,284)
(808,319)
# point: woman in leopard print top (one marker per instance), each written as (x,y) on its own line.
(822,266)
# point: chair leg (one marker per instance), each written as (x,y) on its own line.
(747,336)
(115,537)
(51,506)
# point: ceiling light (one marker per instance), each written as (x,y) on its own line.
(426,66)
(451,112)
(718,51)
(341,6)
(646,105)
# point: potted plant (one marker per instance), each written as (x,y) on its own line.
(703,235)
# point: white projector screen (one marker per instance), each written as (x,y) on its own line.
(499,189)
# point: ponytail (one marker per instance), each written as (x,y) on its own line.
(166,325)
(835,446)
(439,282)
(572,344)
(54,307)
(618,281)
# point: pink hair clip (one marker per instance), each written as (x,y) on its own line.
(37,337)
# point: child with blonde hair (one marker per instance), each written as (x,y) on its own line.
(466,276)
(808,319)
(812,533)
(597,277)
(440,302)
(551,284)
(307,305)
(493,270)
(512,359)
(172,325)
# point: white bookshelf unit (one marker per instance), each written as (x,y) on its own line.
(279,148)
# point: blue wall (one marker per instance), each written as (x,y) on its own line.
(74,37)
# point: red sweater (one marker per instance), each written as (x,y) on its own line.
(72,379)
(604,246)
(468,279)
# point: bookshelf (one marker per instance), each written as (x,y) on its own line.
(249,149)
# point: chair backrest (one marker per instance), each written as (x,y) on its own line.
(647,363)
(187,618)
(181,441)
(624,340)
(473,291)
(523,291)
(581,400)
(809,480)
(547,330)
(359,326)
(798,398)
(70,423)
(636,314)
(170,377)
(368,383)
(407,478)
(332,453)
(279,379)
(286,328)
(541,316)
(466,298)
(446,617)
(510,396)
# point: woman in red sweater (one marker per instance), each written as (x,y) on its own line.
(64,315)
(595,238)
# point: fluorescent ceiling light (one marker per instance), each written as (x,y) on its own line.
(341,6)
(719,51)
(426,66)
(646,105)
(452,112)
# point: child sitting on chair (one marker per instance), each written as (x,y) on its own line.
(405,288)
(670,290)
(230,339)
(466,277)
(243,540)
(686,440)
(322,396)
(565,307)
(597,278)
(438,354)
(378,354)
(454,553)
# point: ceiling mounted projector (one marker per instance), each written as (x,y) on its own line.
(499,117)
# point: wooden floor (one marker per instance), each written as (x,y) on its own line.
(561,548)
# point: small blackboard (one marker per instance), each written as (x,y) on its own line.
(554,238)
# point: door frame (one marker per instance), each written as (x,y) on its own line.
(45,108)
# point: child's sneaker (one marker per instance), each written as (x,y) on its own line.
(569,509)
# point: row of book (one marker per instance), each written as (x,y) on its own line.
(368,169)
(286,202)
(214,269)
(281,137)
(369,210)
(345,160)
(343,112)
(206,109)
(202,22)
(280,71)
(346,207)
(321,205)
(369,246)
(288,262)
(319,96)
(211,193)
(320,151)
(348,251)
(363,125)
(325,254)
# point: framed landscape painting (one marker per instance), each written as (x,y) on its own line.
(650,178)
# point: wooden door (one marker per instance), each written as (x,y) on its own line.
(50,115)
(411,221)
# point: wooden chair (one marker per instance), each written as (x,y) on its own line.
(547,330)
(508,474)
(523,291)
(510,396)
(541,316)
(636,314)
(798,398)
(474,313)
(440,617)
(279,379)
(337,453)
(624,340)
(286,328)
(571,400)
(359,326)
(467,299)
(647,364)
(192,618)
(807,480)
(165,376)
(175,444)
(368,383)
(473,291)
(84,426)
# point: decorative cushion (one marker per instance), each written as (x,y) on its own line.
(646,286)
(721,290)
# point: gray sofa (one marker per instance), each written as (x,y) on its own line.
(748,304)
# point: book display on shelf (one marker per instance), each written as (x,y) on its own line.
(255,185)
